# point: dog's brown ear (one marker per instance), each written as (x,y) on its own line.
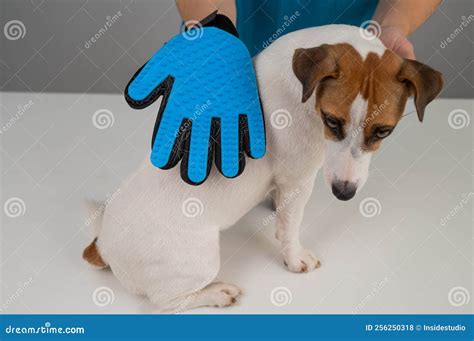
(424,82)
(312,65)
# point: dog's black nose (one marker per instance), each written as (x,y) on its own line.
(344,190)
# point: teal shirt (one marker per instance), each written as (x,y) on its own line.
(260,22)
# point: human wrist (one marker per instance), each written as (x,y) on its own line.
(220,21)
(193,11)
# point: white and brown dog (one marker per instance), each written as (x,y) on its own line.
(345,95)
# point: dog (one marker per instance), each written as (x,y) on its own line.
(342,92)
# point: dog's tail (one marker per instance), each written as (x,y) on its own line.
(95,214)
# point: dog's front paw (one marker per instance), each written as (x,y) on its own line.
(300,260)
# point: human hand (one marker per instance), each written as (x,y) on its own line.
(210,106)
(394,39)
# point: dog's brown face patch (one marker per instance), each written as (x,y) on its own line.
(384,82)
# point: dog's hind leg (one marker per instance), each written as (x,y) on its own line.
(182,270)
(216,294)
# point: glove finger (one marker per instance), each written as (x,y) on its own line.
(179,147)
(197,158)
(168,130)
(150,81)
(230,159)
(255,136)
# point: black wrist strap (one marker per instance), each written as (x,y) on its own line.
(220,21)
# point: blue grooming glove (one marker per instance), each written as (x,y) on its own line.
(210,103)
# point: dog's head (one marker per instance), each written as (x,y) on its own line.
(360,101)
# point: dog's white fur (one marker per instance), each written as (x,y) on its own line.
(346,160)
(159,247)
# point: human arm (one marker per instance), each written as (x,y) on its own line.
(399,19)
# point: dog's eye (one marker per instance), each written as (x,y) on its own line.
(331,123)
(383,133)
(335,125)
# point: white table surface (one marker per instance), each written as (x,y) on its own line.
(402,260)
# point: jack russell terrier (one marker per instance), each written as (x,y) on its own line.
(160,236)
